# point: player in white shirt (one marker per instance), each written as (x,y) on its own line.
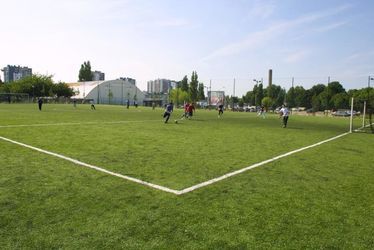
(284,112)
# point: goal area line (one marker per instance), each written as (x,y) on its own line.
(166,189)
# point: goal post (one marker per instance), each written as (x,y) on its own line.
(364,110)
(14,98)
(351,118)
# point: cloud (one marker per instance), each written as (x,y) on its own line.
(172,23)
(262,9)
(331,26)
(260,38)
(296,56)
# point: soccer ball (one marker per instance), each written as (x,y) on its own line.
(175,121)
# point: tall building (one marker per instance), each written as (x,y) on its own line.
(98,76)
(14,73)
(160,86)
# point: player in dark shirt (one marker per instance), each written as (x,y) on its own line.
(168,111)
(220,110)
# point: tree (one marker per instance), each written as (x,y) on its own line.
(317,89)
(335,88)
(62,89)
(85,73)
(340,101)
(324,100)
(316,103)
(290,97)
(254,95)
(178,96)
(184,84)
(38,86)
(279,100)
(200,92)
(34,85)
(247,97)
(193,86)
(277,94)
(332,89)
(267,102)
(259,94)
(299,92)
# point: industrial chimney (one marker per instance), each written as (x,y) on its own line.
(270,77)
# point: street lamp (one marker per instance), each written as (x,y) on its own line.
(370,79)
(257,82)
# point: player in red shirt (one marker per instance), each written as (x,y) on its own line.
(185,114)
(191,109)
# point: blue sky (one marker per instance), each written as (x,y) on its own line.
(220,39)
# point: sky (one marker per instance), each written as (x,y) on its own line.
(227,42)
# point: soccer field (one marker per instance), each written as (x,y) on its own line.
(321,197)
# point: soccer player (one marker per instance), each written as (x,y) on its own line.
(283,112)
(191,109)
(185,114)
(92,105)
(168,111)
(40,103)
(262,112)
(220,110)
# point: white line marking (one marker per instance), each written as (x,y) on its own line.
(169,190)
(359,129)
(71,123)
(94,167)
(206,183)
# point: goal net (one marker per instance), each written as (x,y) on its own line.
(362,117)
(14,98)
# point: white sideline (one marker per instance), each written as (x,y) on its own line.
(169,190)
(93,167)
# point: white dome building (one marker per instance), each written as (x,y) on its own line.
(108,92)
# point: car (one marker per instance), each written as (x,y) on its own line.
(355,113)
(340,113)
(250,109)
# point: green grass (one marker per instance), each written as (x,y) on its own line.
(319,198)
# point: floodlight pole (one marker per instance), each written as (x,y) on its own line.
(369,78)
(351,119)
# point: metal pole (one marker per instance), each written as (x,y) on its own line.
(328,80)
(234,87)
(364,114)
(233,94)
(351,119)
